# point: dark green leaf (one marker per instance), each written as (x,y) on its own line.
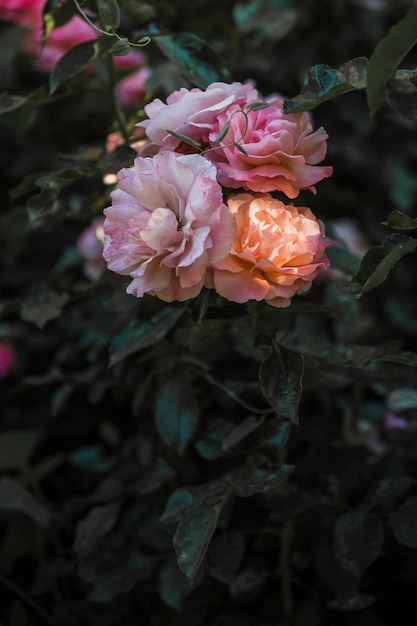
(377,263)
(42,204)
(176,412)
(45,305)
(222,133)
(402,97)
(121,48)
(16,448)
(137,337)
(14,497)
(199,63)
(247,482)
(187,498)
(10,102)
(158,474)
(280,377)
(400,221)
(225,555)
(357,540)
(173,586)
(390,488)
(268,19)
(111,163)
(193,537)
(387,56)
(276,433)
(242,430)
(73,62)
(211,444)
(403,523)
(109,14)
(257,106)
(91,459)
(97,523)
(324,83)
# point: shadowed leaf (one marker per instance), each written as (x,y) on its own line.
(95,524)
(14,497)
(357,540)
(387,56)
(400,221)
(72,63)
(280,377)
(403,523)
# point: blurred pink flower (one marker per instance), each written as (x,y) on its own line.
(395,421)
(281,151)
(26,12)
(58,42)
(277,252)
(131,91)
(191,112)
(90,246)
(7,358)
(167,223)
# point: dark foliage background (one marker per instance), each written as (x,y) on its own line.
(208,463)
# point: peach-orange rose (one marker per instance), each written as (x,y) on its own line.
(277,252)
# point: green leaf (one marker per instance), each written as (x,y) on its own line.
(43,306)
(199,63)
(400,221)
(192,538)
(246,482)
(14,497)
(186,498)
(16,448)
(112,162)
(137,337)
(280,378)
(325,83)
(387,56)
(173,586)
(403,523)
(73,62)
(242,430)
(211,444)
(109,14)
(185,139)
(390,488)
(97,523)
(222,133)
(176,412)
(269,19)
(402,97)
(357,540)
(121,48)
(257,106)
(10,102)
(377,263)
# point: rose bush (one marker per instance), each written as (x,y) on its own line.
(277,252)
(166,225)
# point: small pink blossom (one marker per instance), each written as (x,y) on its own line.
(191,112)
(395,421)
(166,225)
(90,246)
(58,42)
(7,358)
(131,90)
(275,151)
(277,252)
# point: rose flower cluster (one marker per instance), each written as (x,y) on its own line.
(196,209)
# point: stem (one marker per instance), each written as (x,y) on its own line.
(286,574)
(119,115)
(26,599)
(87,19)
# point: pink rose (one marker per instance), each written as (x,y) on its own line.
(130,89)
(281,151)
(7,358)
(277,252)
(58,42)
(26,12)
(90,246)
(191,112)
(166,225)
(135,58)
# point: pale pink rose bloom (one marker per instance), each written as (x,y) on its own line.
(90,246)
(131,90)
(58,42)
(26,12)
(7,358)
(191,112)
(277,252)
(166,225)
(282,151)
